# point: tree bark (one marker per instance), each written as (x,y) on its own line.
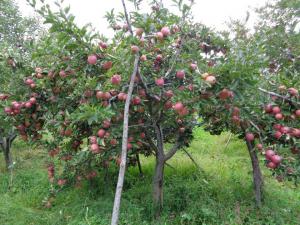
(139,165)
(257,175)
(6,144)
(158,186)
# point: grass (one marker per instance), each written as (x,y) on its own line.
(220,194)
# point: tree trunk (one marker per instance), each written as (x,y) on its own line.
(158,186)
(7,153)
(257,176)
(139,165)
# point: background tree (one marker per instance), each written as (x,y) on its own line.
(17,37)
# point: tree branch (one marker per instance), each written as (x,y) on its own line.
(174,149)
(279,96)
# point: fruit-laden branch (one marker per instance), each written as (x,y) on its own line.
(279,96)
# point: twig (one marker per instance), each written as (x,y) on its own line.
(192,159)
(279,96)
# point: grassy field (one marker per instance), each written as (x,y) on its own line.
(220,194)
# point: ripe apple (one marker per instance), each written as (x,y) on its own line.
(61,182)
(28,105)
(178,106)
(276,159)
(297,113)
(159,58)
(249,137)
(136,100)
(135,49)
(278,116)
(129,146)
(122,96)
(92,59)
(62,74)
(269,108)
(259,146)
(160,82)
(169,94)
(107,65)
(276,110)
(101,133)
(293,91)
(94,148)
(106,124)
(102,45)
(180,74)
(113,142)
(211,79)
(143,135)
(160,36)
(271,165)
(143,58)
(277,134)
(168,105)
(193,66)
(269,153)
(116,79)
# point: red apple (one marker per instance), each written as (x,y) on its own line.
(169,94)
(106,124)
(101,133)
(107,65)
(113,142)
(193,66)
(269,108)
(159,35)
(180,74)
(92,59)
(276,159)
(178,106)
(293,91)
(278,116)
(271,165)
(160,82)
(269,153)
(259,146)
(143,135)
(159,58)
(165,31)
(135,49)
(277,134)
(143,58)
(249,137)
(297,113)
(276,110)
(211,79)
(116,79)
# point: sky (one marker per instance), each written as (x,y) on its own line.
(213,13)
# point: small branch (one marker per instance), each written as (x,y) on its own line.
(174,149)
(127,17)
(192,159)
(279,96)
